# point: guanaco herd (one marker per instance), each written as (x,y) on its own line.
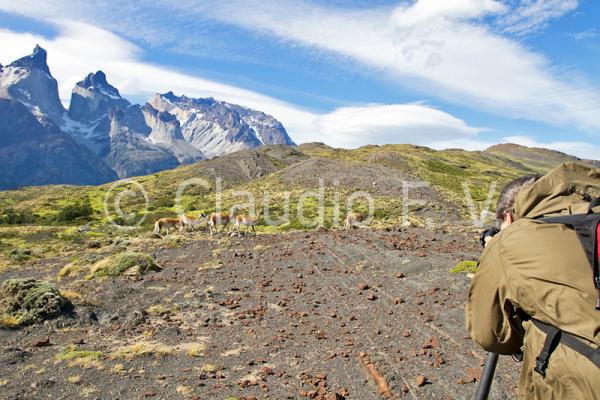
(186,222)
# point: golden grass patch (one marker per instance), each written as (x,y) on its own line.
(184,390)
(211,264)
(75,357)
(146,348)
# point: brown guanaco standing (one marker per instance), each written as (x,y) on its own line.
(166,223)
(353,219)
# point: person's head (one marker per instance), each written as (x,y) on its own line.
(507,198)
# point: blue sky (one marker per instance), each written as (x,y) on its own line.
(461,73)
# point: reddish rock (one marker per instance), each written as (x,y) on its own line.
(473,374)
(42,342)
(420,380)
(372,296)
(400,275)
(362,286)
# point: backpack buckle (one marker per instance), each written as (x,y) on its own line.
(541,363)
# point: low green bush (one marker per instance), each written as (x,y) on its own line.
(81,211)
(126,263)
(26,301)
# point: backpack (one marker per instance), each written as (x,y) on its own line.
(587,227)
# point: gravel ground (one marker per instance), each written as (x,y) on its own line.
(360,315)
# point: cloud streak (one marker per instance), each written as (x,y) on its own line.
(531,16)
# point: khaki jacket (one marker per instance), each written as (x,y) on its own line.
(541,270)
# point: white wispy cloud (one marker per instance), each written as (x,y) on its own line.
(584,35)
(435,47)
(533,15)
(429,47)
(397,123)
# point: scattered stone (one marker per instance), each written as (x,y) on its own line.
(420,380)
(362,286)
(372,296)
(473,374)
(41,342)
(400,275)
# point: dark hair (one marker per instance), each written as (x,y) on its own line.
(508,195)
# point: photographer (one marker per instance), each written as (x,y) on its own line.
(534,288)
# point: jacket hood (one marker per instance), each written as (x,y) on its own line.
(559,192)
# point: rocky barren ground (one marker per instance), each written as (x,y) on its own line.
(365,314)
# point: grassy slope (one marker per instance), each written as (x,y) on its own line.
(533,157)
(447,171)
(282,172)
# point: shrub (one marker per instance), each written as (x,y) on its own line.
(11,217)
(27,301)
(127,263)
(20,254)
(73,212)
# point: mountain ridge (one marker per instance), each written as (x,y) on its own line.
(127,138)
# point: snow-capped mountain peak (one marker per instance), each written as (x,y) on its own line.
(28,80)
(216,127)
(93,97)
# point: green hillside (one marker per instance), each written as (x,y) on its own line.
(52,215)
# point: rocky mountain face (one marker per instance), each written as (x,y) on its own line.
(131,139)
(33,149)
(103,136)
(216,127)
(28,80)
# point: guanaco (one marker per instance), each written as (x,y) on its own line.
(191,222)
(247,221)
(353,220)
(166,223)
(217,219)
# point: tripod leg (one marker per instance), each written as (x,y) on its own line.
(487,377)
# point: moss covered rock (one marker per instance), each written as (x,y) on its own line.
(126,263)
(27,301)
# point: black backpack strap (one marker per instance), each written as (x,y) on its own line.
(555,336)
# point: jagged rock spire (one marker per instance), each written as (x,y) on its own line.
(37,59)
